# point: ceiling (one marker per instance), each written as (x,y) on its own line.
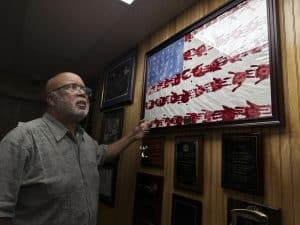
(40,38)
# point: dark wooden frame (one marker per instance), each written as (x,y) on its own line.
(277,112)
(111,168)
(148,199)
(231,143)
(154,151)
(192,204)
(197,186)
(117,90)
(108,116)
(108,182)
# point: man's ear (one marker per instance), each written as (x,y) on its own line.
(51,99)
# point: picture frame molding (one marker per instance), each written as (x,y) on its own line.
(126,98)
(277,118)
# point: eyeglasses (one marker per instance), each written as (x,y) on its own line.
(75,88)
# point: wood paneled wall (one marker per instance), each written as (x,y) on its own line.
(281,145)
(21,100)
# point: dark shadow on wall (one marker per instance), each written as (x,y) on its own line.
(21,99)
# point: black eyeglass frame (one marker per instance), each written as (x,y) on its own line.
(86,90)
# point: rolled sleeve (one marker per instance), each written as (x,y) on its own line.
(101,154)
(12,162)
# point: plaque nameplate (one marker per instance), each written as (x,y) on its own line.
(188,166)
(152,152)
(148,199)
(186,211)
(241,213)
(242,162)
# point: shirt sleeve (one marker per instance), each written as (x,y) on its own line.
(12,162)
(101,154)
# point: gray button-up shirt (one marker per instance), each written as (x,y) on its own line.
(48,177)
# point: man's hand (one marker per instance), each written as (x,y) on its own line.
(141,129)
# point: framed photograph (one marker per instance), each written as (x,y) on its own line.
(119,82)
(242,162)
(108,179)
(186,211)
(222,71)
(112,125)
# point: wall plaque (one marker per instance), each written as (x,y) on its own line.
(186,211)
(189,163)
(241,213)
(152,152)
(242,162)
(148,200)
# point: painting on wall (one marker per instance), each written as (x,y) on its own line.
(119,82)
(223,70)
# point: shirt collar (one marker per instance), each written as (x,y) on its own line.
(58,129)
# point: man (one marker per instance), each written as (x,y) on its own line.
(48,166)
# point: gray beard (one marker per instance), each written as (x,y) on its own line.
(71,112)
(78,116)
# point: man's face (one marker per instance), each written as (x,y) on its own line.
(73,105)
(71,99)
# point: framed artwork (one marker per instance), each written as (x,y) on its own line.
(119,82)
(222,71)
(186,211)
(148,199)
(112,125)
(108,179)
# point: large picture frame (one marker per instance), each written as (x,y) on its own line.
(119,81)
(222,71)
(112,127)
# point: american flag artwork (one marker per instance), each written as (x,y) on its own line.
(218,72)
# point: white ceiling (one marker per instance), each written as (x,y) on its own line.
(40,38)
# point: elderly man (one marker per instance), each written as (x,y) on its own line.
(48,166)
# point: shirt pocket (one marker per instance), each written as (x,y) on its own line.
(61,170)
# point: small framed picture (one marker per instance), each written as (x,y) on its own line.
(118,81)
(108,179)
(112,125)
(186,211)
